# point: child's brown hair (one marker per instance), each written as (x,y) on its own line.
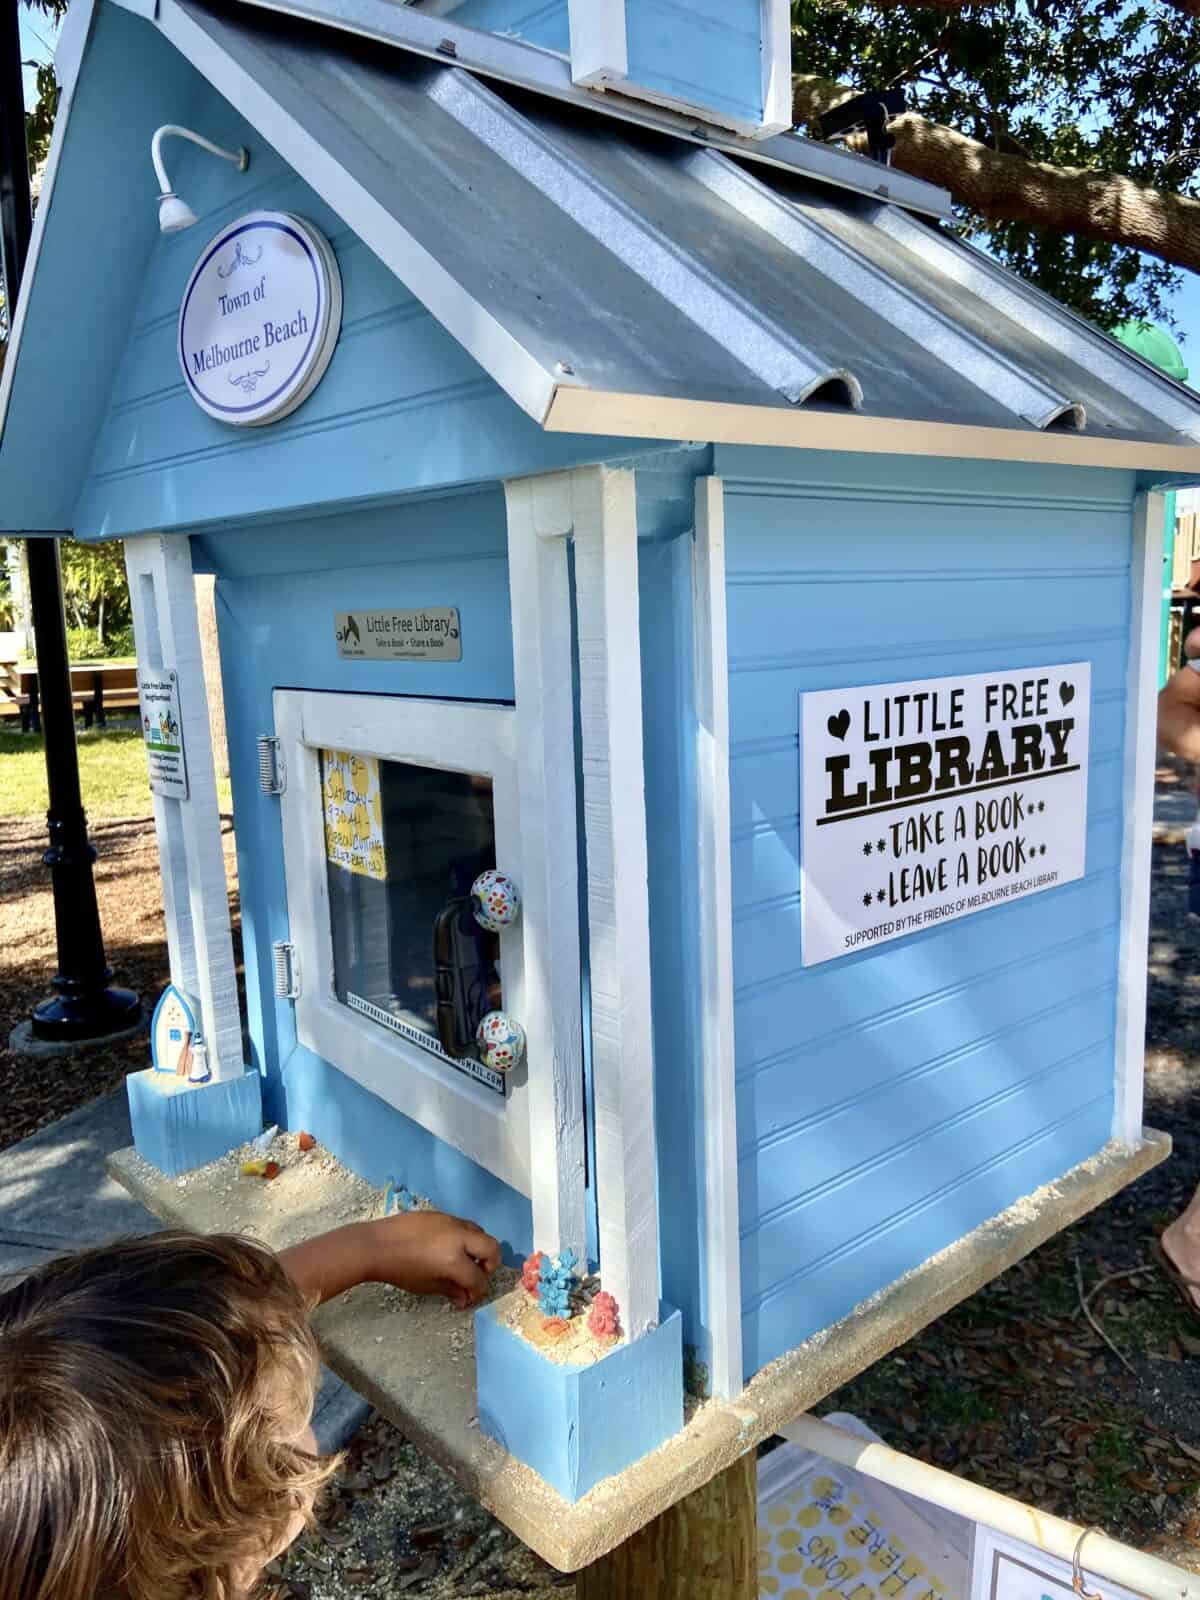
(147,1393)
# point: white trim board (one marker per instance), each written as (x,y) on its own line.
(600,60)
(195,893)
(777,67)
(610,693)
(597,506)
(642,416)
(545,718)
(457,736)
(722,1258)
(1137,796)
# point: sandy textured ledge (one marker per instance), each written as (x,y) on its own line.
(415,1359)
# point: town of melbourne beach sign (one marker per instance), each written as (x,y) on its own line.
(260,318)
(930,800)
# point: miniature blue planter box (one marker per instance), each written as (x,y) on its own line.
(577,1425)
(178,1126)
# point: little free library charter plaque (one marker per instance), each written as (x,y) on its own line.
(431,634)
(930,800)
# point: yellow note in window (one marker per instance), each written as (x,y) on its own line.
(353,810)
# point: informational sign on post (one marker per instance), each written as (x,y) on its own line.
(162,729)
(930,800)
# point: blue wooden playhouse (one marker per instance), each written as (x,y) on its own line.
(606,486)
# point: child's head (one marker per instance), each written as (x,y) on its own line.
(154,1404)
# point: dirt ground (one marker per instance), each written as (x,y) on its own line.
(1014,1389)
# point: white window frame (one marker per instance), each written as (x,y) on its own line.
(452,736)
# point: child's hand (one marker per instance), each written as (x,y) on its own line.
(427,1252)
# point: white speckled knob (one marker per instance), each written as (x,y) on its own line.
(495,900)
(501,1041)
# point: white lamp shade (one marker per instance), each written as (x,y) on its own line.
(174,214)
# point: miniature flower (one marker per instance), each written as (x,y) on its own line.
(531,1271)
(306,1141)
(556,1282)
(603,1321)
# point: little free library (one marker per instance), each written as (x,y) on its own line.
(688,635)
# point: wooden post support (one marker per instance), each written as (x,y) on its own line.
(703,1548)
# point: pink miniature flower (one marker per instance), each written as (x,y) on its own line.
(531,1272)
(603,1321)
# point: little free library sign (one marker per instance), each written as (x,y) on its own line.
(432,633)
(260,318)
(930,800)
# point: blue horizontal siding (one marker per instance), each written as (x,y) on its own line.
(706,53)
(891,1100)
(541,22)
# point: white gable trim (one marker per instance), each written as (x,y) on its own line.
(648,416)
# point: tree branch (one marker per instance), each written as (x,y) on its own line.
(1009,188)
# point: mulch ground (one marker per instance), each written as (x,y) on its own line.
(33,1092)
(1015,1389)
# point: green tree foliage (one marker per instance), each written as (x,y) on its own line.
(95,591)
(1102,85)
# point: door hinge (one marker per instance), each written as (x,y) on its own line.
(287,970)
(272,779)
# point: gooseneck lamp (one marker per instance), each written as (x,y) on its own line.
(175,214)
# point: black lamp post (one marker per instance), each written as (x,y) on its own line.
(83,1006)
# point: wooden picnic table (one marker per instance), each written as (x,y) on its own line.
(96,686)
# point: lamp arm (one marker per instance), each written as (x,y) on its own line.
(239,158)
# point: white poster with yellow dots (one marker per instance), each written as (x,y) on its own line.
(825,1532)
(353,813)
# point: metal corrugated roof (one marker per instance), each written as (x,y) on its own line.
(625,260)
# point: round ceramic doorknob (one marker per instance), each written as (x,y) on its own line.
(495,900)
(501,1041)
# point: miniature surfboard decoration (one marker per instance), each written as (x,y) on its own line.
(173,1030)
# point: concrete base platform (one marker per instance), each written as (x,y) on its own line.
(414,1359)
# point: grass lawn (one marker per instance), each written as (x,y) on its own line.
(112,774)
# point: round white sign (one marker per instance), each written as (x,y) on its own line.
(260,318)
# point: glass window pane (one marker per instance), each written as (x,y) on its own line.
(404,844)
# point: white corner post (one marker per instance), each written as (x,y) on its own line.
(1137,797)
(541,627)
(777,67)
(195,896)
(599,47)
(595,505)
(614,807)
(717,1089)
